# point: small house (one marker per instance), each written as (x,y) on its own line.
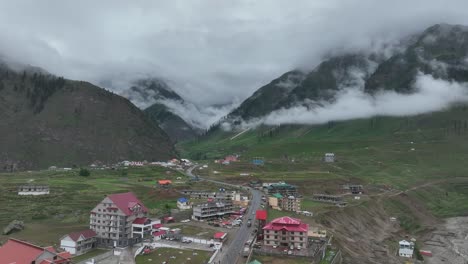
(406,249)
(353,188)
(158,235)
(220,236)
(164,183)
(33,190)
(329,157)
(231,158)
(183,204)
(78,243)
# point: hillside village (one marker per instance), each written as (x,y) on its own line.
(243,132)
(120,224)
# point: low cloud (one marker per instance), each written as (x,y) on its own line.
(352,103)
(198,117)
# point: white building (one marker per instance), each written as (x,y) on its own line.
(78,243)
(329,157)
(144,226)
(183,204)
(33,190)
(406,249)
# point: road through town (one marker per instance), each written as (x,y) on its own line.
(232,252)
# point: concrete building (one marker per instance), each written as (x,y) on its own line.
(286,203)
(224,195)
(183,204)
(353,188)
(113,220)
(78,243)
(142,227)
(290,203)
(286,231)
(33,190)
(273,201)
(212,210)
(329,157)
(282,188)
(406,249)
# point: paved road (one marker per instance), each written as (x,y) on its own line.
(233,251)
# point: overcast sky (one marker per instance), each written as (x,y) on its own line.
(212,51)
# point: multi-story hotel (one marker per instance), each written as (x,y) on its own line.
(286,231)
(120,220)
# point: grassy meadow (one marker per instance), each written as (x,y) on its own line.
(72,197)
(423,156)
(160,255)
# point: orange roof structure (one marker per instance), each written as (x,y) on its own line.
(164,182)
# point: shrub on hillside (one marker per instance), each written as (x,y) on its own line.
(84,172)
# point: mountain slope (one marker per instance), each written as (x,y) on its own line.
(441,51)
(296,87)
(172,124)
(45,120)
(150,95)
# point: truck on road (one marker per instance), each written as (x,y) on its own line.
(245,252)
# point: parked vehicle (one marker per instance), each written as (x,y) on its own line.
(245,252)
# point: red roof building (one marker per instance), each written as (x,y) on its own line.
(220,236)
(78,243)
(85,234)
(140,221)
(286,231)
(261,215)
(20,252)
(115,209)
(157,226)
(127,203)
(159,234)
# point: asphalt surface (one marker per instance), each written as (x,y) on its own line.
(232,252)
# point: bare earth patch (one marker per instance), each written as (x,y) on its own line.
(449,242)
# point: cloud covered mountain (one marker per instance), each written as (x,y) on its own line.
(427,73)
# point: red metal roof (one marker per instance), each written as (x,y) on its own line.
(156,226)
(164,182)
(286,220)
(20,252)
(159,233)
(88,233)
(140,221)
(125,201)
(287,223)
(219,235)
(261,215)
